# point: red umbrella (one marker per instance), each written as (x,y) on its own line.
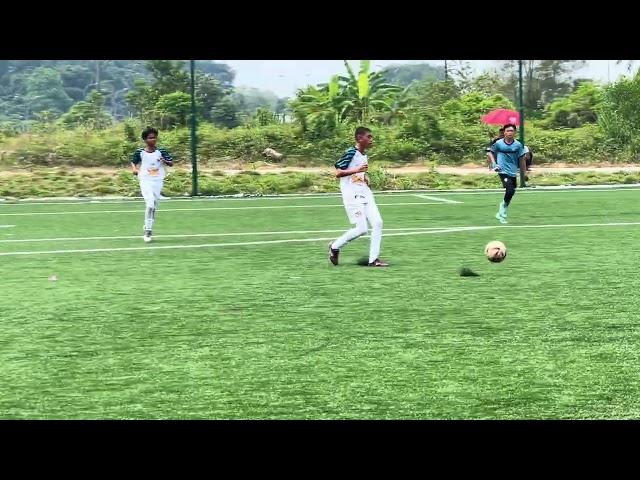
(501,116)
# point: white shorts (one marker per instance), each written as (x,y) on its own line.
(362,205)
(151,190)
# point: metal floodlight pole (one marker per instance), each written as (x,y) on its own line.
(521,110)
(194,142)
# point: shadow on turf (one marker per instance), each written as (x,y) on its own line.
(467,272)
(463,271)
(363,261)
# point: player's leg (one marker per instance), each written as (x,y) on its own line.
(157,194)
(147,190)
(375,220)
(510,184)
(358,219)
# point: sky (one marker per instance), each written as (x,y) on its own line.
(283,77)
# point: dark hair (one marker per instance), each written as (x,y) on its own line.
(501,129)
(148,131)
(362,131)
(509,125)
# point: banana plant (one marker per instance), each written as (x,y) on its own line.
(347,98)
(366,93)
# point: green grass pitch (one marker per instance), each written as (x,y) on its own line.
(234,311)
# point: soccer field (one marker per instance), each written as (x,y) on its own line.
(234,311)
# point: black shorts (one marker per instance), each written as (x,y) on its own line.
(506,180)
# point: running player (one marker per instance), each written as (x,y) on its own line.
(358,199)
(505,157)
(148,164)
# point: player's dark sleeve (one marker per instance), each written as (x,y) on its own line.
(137,158)
(345,160)
(166,156)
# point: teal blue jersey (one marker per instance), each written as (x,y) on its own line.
(508,156)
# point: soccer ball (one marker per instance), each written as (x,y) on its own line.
(495,251)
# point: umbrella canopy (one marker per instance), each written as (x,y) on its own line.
(501,116)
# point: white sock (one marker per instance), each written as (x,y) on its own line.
(149,217)
(376,240)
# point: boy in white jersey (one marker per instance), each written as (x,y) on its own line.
(358,200)
(148,164)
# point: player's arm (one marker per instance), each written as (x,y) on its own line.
(491,156)
(490,159)
(167,159)
(342,165)
(136,160)
(522,157)
(350,171)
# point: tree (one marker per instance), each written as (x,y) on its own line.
(317,109)
(264,117)
(44,91)
(577,109)
(89,113)
(250,99)
(173,109)
(485,83)
(158,102)
(220,71)
(619,109)
(208,92)
(404,75)
(168,76)
(461,73)
(225,113)
(429,97)
(78,78)
(544,81)
(468,108)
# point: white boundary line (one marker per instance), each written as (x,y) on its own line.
(212,245)
(458,191)
(200,235)
(306,240)
(438,199)
(7,226)
(257,207)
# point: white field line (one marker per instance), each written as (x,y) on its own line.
(437,199)
(260,207)
(212,245)
(289,196)
(197,235)
(7,226)
(306,240)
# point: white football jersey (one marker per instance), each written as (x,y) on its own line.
(150,164)
(355,184)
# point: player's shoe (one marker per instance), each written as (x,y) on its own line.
(333,254)
(502,213)
(147,236)
(378,263)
